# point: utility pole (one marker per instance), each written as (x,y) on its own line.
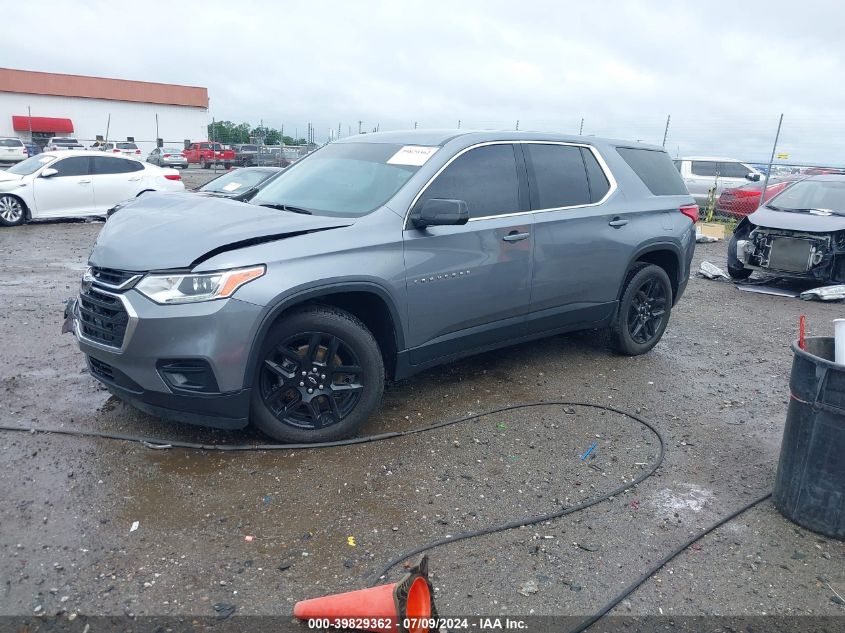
(581,129)
(359,126)
(156,129)
(415,125)
(771,160)
(666,131)
(517,125)
(338,130)
(29,116)
(459,124)
(108,123)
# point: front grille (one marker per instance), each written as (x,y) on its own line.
(102,317)
(112,277)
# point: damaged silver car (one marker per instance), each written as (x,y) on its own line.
(798,233)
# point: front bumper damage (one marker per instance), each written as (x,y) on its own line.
(790,253)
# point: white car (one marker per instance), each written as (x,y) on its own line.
(121,147)
(76,183)
(12,150)
(702,174)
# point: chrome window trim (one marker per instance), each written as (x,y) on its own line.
(127,336)
(613,186)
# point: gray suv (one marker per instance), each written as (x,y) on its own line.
(376,257)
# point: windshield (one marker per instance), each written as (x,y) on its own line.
(236,181)
(171,150)
(63,141)
(127,146)
(813,194)
(344,179)
(30,165)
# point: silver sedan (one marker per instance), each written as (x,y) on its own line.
(168,157)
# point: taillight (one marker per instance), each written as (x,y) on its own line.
(115,151)
(691,211)
(137,151)
(179,177)
(166,155)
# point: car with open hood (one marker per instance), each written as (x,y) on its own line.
(799,233)
(376,257)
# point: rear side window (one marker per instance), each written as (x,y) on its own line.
(704,168)
(599,185)
(127,146)
(104,165)
(733,170)
(557,175)
(655,169)
(73,166)
(10,142)
(484,177)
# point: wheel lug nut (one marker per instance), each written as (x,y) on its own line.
(302,384)
(310,391)
(322,376)
(321,386)
(305,373)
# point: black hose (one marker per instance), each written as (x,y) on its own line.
(627,591)
(509,525)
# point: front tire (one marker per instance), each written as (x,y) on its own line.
(735,268)
(319,378)
(643,312)
(12,211)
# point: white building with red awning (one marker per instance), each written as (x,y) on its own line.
(36,106)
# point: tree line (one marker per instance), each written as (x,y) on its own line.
(228,133)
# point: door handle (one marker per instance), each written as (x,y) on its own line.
(84,182)
(134,179)
(617,222)
(515,236)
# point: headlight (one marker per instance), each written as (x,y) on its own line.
(190,288)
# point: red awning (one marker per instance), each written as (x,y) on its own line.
(41,124)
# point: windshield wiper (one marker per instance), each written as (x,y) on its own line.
(774,208)
(286,207)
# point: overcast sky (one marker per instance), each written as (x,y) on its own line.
(723,70)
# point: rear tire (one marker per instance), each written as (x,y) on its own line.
(643,312)
(309,349)
(204,165)
(12,211)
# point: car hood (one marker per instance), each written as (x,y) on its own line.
(797,221)
(160,231)
(6,176)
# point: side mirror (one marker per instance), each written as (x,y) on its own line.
(440,212)
(48,171)
(753,177)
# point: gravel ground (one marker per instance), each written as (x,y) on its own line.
(323,521)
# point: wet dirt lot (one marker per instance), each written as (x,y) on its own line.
(716,387)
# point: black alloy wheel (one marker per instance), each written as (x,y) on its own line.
(319,378)
(644,310)
(311,380)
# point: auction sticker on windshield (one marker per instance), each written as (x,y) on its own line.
(414,155)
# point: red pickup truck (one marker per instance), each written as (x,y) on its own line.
(207,154)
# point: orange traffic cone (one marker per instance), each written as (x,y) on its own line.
(403,607)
